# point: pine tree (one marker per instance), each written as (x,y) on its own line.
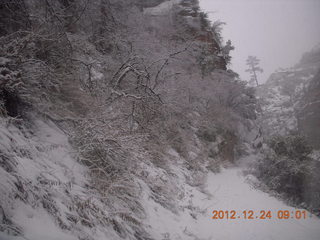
(253,63)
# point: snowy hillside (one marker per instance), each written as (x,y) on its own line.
(281,96)
(290,118)
(44,188)
(121,119)
(55,201)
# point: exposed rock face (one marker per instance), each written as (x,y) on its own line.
(290,99)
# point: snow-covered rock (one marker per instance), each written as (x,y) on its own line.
(282,95)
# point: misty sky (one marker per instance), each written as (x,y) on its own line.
(278,32)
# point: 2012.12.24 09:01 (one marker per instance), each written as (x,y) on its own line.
(262,214)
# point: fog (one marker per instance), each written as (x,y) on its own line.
(278,32)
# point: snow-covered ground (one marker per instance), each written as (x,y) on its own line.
(230,190)
(39,193)
(161,9)
(51,180)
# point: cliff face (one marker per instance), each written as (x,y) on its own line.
(289,98)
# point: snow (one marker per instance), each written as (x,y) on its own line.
(96,75)
(161,9)
(228,190)
(282,97)
(231,192)
(51,167)
(38,224)
(46,167)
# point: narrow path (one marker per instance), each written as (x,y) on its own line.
(230,191)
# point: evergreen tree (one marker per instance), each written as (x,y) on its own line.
(253,63)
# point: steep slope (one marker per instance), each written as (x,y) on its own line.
(284,97)
(289,164)
(44,189)
(114,117)
(309,114)
(110,110)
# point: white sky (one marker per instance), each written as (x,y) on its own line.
(278,32)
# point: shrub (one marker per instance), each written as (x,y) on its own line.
(207,135)
(288,169)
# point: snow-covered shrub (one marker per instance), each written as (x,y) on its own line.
(288,169)
(11,103)
(209,135)
(109,162)
(2,109)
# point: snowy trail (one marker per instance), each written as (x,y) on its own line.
(230,191)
